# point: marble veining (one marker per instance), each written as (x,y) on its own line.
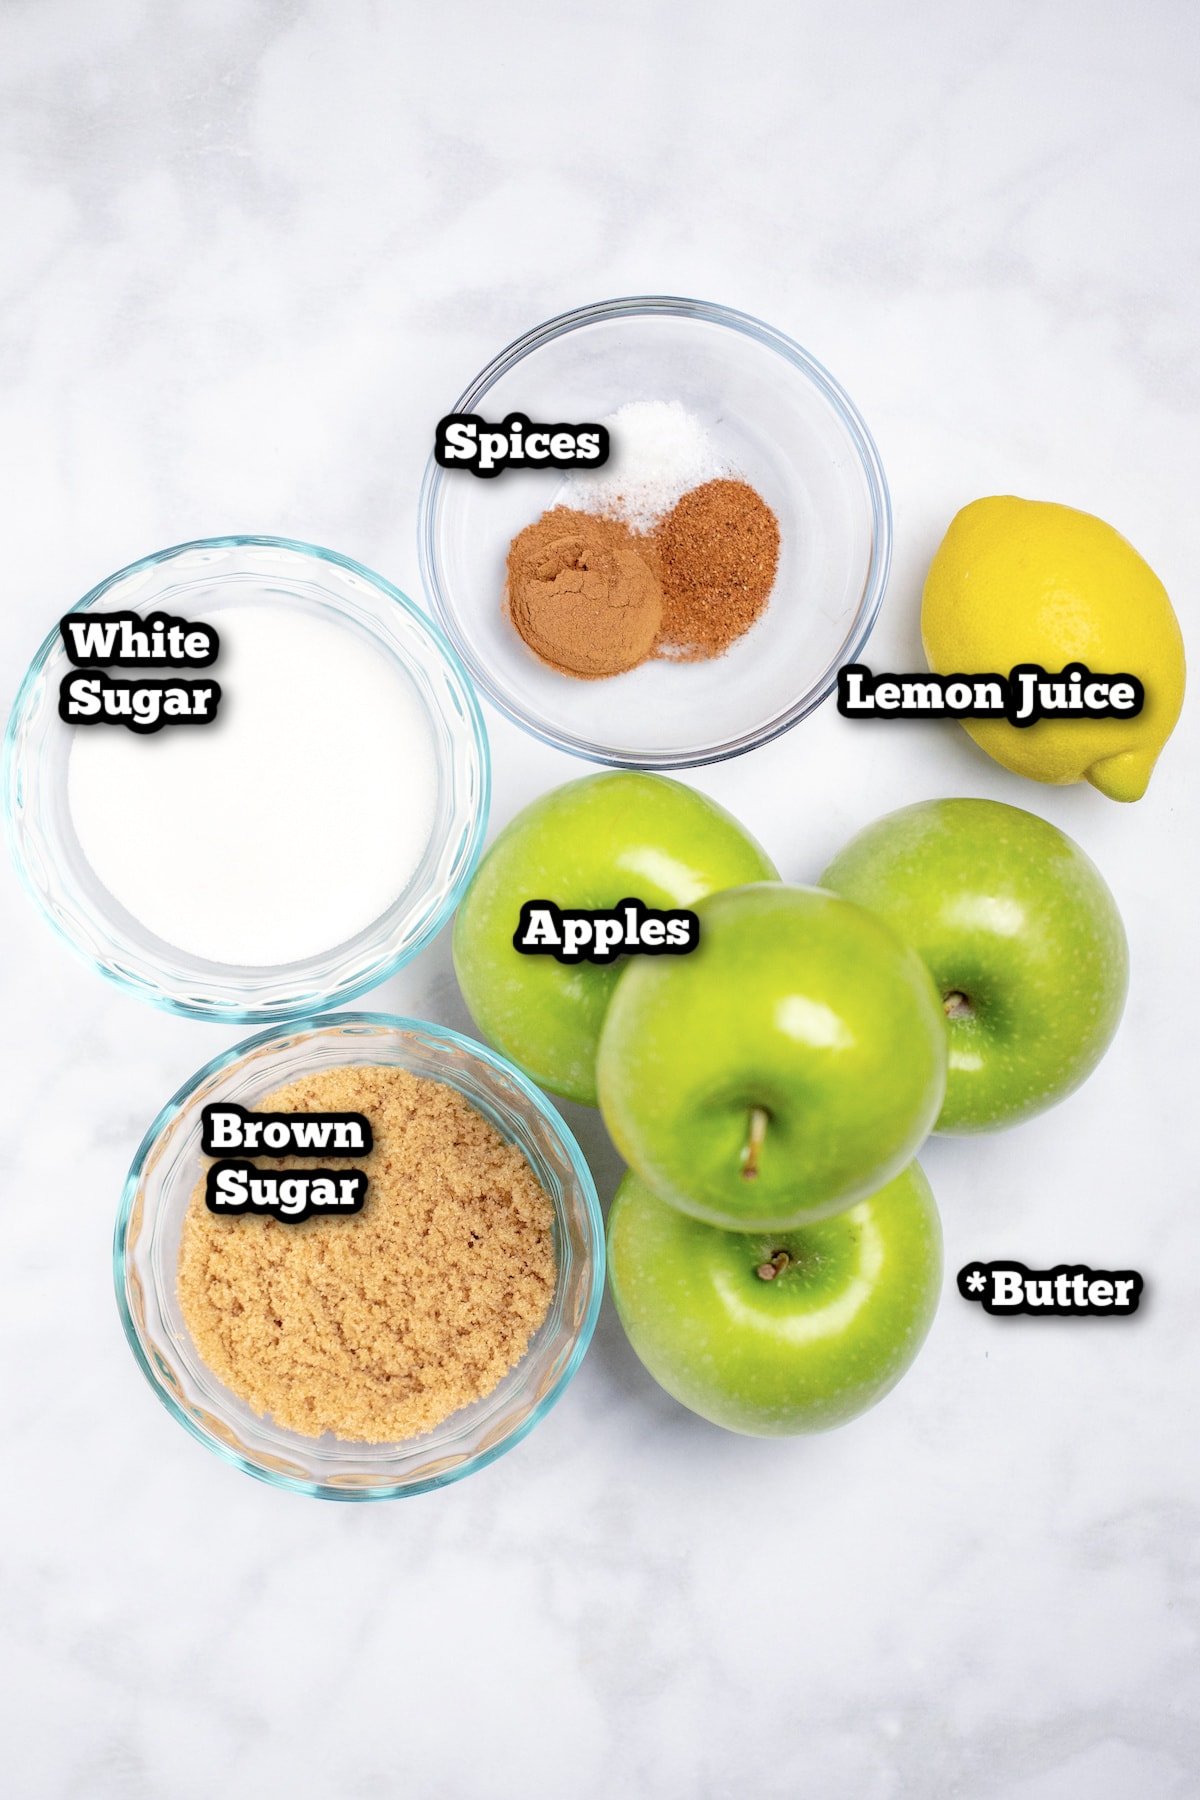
(252,250)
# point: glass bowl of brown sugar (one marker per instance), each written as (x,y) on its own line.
(694,596)
(394,1349)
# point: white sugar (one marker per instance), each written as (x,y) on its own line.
(659,451)
(290,823)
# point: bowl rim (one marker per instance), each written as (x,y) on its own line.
(10,767)
(710,312)
(318,1021)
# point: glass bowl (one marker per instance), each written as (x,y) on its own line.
(199,580)
(777,418)
(146,1250)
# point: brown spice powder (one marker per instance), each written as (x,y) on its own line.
(379,1325)
(717,553)
(582,593)
(593,598)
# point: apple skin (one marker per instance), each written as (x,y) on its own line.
(830,1335)
(592,843)
(796,1003)
(1007,911)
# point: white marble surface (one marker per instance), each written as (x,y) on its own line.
(250,251)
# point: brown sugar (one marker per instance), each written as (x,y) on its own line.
(379,1325)
(582,593)
(717,554)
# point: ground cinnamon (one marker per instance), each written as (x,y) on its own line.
(582,593)
(592,597)
(717,554)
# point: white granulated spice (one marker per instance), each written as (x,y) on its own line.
(286,826)
(659,450)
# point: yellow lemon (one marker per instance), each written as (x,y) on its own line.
(1026,581)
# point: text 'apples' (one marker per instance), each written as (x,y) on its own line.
(592,843)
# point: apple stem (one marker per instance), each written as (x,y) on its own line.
(956,1005)
(767,1271)
(759,1120)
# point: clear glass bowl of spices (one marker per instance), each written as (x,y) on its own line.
(694,596)
(395,1349)
(300,847)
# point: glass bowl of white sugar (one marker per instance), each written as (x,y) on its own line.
(690,392)
(299,847)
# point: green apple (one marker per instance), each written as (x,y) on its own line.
(773,1333)
(592,843)
(1023,940)
(792,1064)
